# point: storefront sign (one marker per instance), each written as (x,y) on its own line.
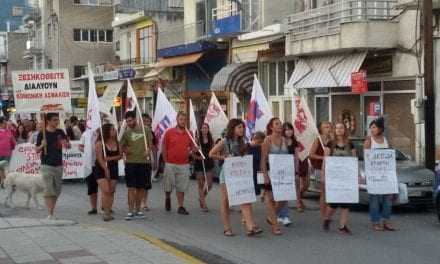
(127,74)
(46,90)
(110,75)
(359,84)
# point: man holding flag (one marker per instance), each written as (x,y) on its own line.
(138,164)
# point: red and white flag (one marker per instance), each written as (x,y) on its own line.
(304,126)
(164,116)
(216,118)
(192,119)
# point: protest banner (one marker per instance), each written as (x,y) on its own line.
(341,180)
(107,99)
(73,162)
(239,181)
(36,91)
(25,159)
(282,177)
(380,171)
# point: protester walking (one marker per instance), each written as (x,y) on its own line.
(273,144)
(341,146)
(146,119)
(137,164)
(50,145)
(176,150)
(7,145)
(92,184)
(107,167)
(316,159)
(379,204)
(203,168)
(233,145)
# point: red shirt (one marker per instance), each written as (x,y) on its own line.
(177,146)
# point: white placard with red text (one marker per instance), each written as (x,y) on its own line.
(25,159)
(36,91)
(73,162)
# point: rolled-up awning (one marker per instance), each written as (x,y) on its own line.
(236,77)
(326,71)
(178,61)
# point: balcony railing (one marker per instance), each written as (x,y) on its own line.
(327,20)
(94,2)
(181,34)
(151,5)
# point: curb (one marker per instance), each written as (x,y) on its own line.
(170,249)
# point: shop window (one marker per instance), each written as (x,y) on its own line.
(321,109)
(273,79)
(346,109)
(276,109)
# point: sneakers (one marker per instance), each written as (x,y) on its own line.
(182,211)
(92,212)
(168,204)
(139,215)
(129,217)
(344,230)
(285,221)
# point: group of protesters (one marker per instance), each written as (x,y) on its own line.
(179,150)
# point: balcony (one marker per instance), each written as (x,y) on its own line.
(33,48)
(32,14)
(94,2)
(344,25)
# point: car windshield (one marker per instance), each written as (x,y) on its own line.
(359,145)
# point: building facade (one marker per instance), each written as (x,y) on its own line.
(12,13)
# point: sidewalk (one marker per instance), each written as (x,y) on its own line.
(25,240)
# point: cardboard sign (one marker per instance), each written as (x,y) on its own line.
(341,180)
(25,159)
(239,180)
(45,90)
(282,177)
(73,162)
(380,171)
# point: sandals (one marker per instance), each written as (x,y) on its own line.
(228,233)
(388,227)
(203,206)
(378,227)
(276,230)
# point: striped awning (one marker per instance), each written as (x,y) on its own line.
(326,71)
(236,77)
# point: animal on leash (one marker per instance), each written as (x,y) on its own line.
(30,184)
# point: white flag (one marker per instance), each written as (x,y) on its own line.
(164,117)
(304,126)
(131,101)
(93,123)
(234,106)
(216,118)
(192,119)
(259,112)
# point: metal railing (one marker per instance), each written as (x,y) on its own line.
(327,20)
(181,34)
(151,5)
(129,63)
(94,2)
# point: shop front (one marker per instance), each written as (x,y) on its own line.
(326,83)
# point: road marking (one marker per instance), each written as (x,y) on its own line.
(170,249)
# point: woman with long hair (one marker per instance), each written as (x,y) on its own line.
(341,146)
(204,168)
(233,145)
(22,134)
(379,204)
(316,158)
(107,167)
(275,143)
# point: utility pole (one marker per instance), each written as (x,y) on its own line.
(429,86)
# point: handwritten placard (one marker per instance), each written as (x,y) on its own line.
(341,180)
(239,181)
(25,159)
(73,162)
(380,171)
(282,177)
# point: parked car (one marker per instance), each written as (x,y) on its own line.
(419,181)
(437,192)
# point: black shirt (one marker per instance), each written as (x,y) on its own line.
(54,155)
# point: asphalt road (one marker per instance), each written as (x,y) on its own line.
(200,234)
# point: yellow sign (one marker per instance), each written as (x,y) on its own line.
(81,102)
(117,102)
(100,89)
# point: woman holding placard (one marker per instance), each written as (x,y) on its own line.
(341,146)
(233,145)
(275,143)
(317,156)
(379,204)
